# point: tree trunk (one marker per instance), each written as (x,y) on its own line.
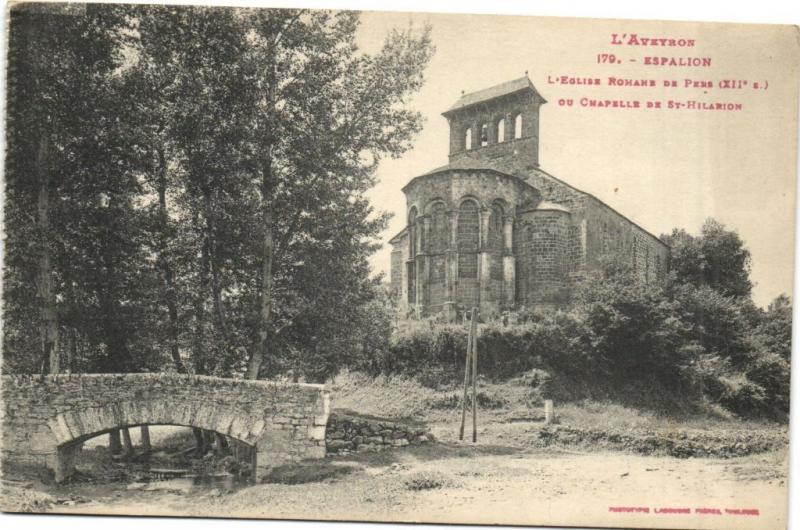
(145,430)
(113,325)
(200,441)
(198,303)
(72,350)
(170,293)
(260,352)
(48,324)
(114,442)
(267,255)
(213,263)
(222,446)
(126,442)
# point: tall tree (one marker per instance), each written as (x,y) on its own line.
(61,56)
(717,258)
(210,186)
(322,116)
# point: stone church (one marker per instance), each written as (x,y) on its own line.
(492,230)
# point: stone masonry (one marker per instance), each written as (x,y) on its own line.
(347,434)
(492,229)
(46,419)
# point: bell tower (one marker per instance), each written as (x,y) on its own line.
(499,125)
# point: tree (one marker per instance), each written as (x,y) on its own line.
(62,160)
(719,323)
(774,330)
(769,359)
(320,117)
(210,187)
(634,333)
(717,258)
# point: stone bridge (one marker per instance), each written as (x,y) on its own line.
(46,419)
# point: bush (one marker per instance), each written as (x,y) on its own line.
(426,480)
(436,352)
(742,395)
(665,347)
(421,349)
(770,372)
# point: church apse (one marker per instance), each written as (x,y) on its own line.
(492,230)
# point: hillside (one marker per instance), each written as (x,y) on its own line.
(511,413)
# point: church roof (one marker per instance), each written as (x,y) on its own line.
(503,89)
(464,164)
(554,206)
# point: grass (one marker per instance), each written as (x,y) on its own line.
(515,400)
(425,480)
(24,500)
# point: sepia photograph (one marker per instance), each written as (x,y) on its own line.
(397,267)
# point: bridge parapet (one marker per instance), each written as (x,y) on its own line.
(46,419)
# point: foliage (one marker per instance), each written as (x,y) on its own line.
(70,197)
(665,347)
(208,212)
(773,330)
(717,258)
(633,331)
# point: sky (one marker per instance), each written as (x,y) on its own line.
(660,168)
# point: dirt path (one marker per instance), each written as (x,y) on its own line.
(491,484)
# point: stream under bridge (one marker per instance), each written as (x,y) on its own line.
(46,419)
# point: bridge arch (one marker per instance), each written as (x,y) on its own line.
(46,419)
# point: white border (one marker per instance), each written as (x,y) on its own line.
(761,11)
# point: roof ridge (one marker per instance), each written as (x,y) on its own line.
(492,92)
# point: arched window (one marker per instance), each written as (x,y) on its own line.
(518,126)
(484,135)
(468,236)
(413,233)
(440,229)
(468,139)
(494,241)
(495,235)
(411,269)
(468,226)
(501,131)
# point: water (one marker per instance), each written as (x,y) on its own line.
(190,483)
(170,466)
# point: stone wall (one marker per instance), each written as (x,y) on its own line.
(348,434)
(397,264)
(611,235)
(543,250)
(46,419)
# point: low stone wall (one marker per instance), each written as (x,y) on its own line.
(349,434)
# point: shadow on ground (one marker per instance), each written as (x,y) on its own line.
(307,471)
(427,452)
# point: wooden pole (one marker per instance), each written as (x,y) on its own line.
(467,368)
(474,374)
